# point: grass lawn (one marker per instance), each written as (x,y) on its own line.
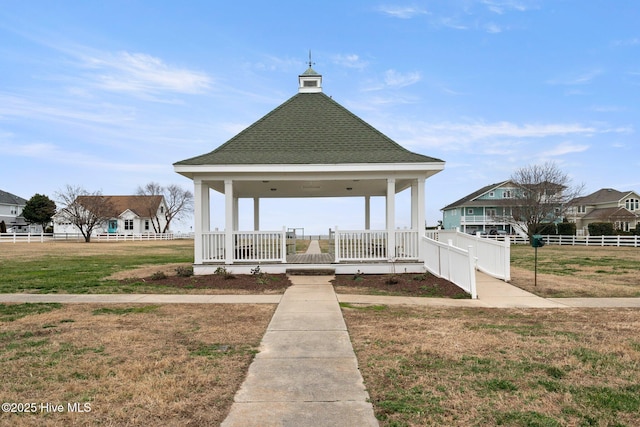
(577,271)
(512,367)
(182,364)
(142,365)
(71,267)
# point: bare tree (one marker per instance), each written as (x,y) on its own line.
(179,203)
(542,196)
(84,210)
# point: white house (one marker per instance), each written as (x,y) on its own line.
(11,207)
(309,146)
(129,215)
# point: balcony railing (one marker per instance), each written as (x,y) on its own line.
(482,219)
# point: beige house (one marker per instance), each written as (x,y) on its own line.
(621,208)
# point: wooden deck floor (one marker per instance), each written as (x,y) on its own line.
(310,259)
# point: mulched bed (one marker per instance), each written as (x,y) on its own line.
(258,284)
(405,284)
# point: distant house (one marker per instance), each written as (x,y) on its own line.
(485,210)
(11,207)
(130,215)
(621,208)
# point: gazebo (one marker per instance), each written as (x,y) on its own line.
(309,146)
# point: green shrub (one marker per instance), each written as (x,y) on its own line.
(601,229)
(567,228)
(184,271)
(158,275)
(226,274)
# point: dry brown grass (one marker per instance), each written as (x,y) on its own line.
(577,271)
(29,251)
(461,367)
(159,365)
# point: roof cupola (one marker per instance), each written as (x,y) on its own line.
(309,81)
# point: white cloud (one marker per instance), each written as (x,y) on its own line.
(501,6)
(564,149)
(144,74)
(627,42)
(492,28)
(579,79)
(452,23)
(485,137)
(394,78)
(402,12)
(350,61)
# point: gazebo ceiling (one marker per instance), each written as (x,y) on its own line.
(270,188)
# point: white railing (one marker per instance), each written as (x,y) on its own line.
(451,263)
(260,246)
(482,219)
(372,245)
(248,246)
(213,246)
(407,245)
(360,245)
(492,255)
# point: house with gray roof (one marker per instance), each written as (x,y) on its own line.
(621,208)
(309,146)
(487,210)
(11,207)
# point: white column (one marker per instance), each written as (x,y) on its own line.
(256,213)
(367,212)
(200,217)
(391,217)
(420,215)
(228,221)
(236,210)
(414,205)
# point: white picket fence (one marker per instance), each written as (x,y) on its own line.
(77,237)
(618,241)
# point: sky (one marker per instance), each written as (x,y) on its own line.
(108,95)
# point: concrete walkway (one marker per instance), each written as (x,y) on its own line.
(306,373)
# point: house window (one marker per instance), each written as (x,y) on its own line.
(491,212)
(469,211)
(582,209)
(492,194)
(632,204)
(146,225)
(128,224)
(14,210)
(506,194)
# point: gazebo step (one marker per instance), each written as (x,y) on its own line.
(311,271)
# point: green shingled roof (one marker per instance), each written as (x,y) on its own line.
(309,128)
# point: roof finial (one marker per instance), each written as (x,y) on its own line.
(310,62)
